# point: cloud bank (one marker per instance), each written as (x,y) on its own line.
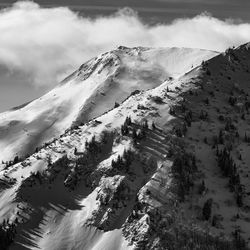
(45,44)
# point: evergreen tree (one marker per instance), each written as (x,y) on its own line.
(128,121)
(116,105)
(153,126)
(16,159)
(134,134)
(145,124)
(207,209)
(202,187)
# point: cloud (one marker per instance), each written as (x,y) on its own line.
(45,44)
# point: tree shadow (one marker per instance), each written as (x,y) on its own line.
(43,196)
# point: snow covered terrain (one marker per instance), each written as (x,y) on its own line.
(90,91)
(166,167)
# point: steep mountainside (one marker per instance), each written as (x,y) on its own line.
(90,91)
(166,169)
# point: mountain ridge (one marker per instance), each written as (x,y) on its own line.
(74,100)
(167,168)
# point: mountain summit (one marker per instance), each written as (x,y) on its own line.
(90,91)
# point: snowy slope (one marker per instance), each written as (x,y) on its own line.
(183,117)
(57,217)
(153,197)
(90,91)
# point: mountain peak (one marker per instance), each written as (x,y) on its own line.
(92,90)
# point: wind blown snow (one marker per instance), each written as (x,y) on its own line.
(46,44)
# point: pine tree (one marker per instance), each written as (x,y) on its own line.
(206,101)
(153,126)
(145,124)
(207,209)
(128,121)
(171,111)
(202,187)
(246,138)
(134,134)
(221,139)
(116,105)
(16,159)
(124,129)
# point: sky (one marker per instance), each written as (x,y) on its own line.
(155,10)
(42,42)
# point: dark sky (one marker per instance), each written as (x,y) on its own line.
(151,11)
(157,10)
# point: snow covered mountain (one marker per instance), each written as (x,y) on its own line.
(90,91)
(167,168)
